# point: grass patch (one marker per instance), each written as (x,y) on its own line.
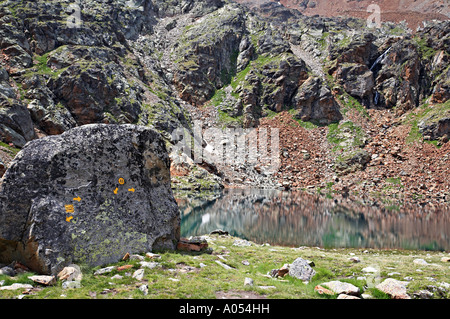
(197,275)
(378,294)
(218,97)
(226,119)
(414,135)
(394,180)
(345,135)
(240,76)
(349,102)
(41,68)
(426,51)
(10,149)
(307,125)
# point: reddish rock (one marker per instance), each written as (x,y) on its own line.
(194,244)
(125,267)
(321,290)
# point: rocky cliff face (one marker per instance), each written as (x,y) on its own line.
(164,64)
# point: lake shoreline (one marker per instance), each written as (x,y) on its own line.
(298,218)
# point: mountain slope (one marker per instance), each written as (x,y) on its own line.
(340,85)
(411,11)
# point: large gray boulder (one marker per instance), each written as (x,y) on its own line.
(89,196)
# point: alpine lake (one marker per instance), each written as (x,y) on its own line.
(295,219)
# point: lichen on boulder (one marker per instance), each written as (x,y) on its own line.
(89,195)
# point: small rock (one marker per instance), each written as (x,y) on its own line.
(423,294)
(117,277)
(194,244)
(138,274)
(218,232)
(71,272)
(394,288)
(150,265)
(420,262)
(267,287)
(361,278)
(245,263)
(408,278)
(144,289)
(344,296)
(224,265)
(280,272)
(394,274)
(354,259)
(153,256)
(444,285)
(16,286)
(248,282)
(136,257)
(242,243)
(74,284)
(367,296)
(44,280)
(104,270)
(370,270)
(322,290)
(339,287)
(306,155)
(8,271)
(445,259)
(124,267)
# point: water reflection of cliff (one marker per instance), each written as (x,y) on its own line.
(296,219)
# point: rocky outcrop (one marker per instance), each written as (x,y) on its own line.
(16,126)
(436,123)
(398,80)
(63,74)
(89,195)
(206,54)
(315,103)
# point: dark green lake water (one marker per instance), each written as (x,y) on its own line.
(297,219)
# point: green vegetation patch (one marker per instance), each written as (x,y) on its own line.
(198,275)
(345,135)
(429,114)
(10,149)
(425,50)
